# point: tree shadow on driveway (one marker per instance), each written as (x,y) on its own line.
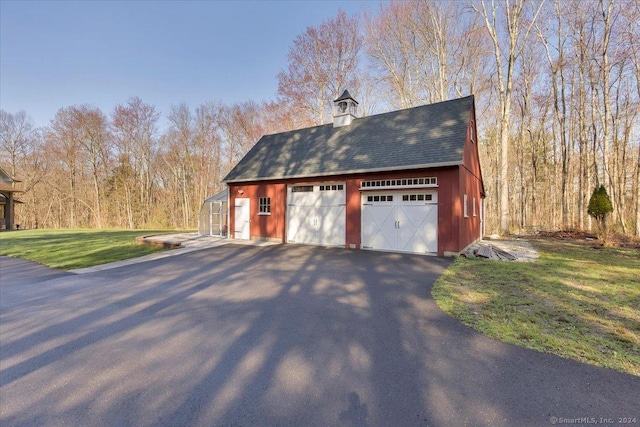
(292,335)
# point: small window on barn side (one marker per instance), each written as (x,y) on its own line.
(264,206)
(302,189)
(465,208)
(474,207)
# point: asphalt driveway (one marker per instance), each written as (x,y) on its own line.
(278,335)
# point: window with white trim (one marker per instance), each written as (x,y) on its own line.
(417,197)
(474,207)
(332,187)
(264,206)
(465,207)
(383,198)
(472,132)
(302,189)
(399,183)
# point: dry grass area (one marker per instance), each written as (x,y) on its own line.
(615,240)
(579,300)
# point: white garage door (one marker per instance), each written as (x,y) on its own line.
(400,221)
(316,214)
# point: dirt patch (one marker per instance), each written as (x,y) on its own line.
(586,238)
(157,242)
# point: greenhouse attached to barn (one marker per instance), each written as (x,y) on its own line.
(212,220)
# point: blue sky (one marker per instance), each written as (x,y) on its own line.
(55,54)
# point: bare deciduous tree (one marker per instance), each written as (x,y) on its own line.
(509,31)
(134,126)
(321,63)
(16,136)
(558,115)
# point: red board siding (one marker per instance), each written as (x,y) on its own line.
(273,227)
(470,226)
(266,227)
(353,219)
(470,178)
(455,231)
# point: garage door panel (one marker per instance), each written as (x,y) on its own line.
(300,227)
(378,227)
(416,216)
(331,225)
(330,198)
(304,199)
(402,222)
(382,240)
(317,217)
(417,231)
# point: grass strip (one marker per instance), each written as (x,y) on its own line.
(77,248)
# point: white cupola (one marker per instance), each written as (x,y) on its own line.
(344,110)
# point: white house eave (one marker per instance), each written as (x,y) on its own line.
(347,172)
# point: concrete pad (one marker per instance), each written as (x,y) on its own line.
(185,242)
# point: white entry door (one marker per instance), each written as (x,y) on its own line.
(400,221)
(242,216)
(316,214)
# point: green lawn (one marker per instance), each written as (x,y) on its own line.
(71,249)
(576,301)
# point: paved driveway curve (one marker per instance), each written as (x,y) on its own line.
(279,335)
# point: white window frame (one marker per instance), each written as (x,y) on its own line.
(472,132)
(401,183)
(264,205)
(331,187)
(474,207)
(465,207)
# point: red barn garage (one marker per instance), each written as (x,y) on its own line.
(406,181)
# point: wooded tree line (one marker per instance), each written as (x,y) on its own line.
(557,88)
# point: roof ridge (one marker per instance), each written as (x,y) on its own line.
(422,136)
(372,115)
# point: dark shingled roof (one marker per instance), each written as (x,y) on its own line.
(427,136)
